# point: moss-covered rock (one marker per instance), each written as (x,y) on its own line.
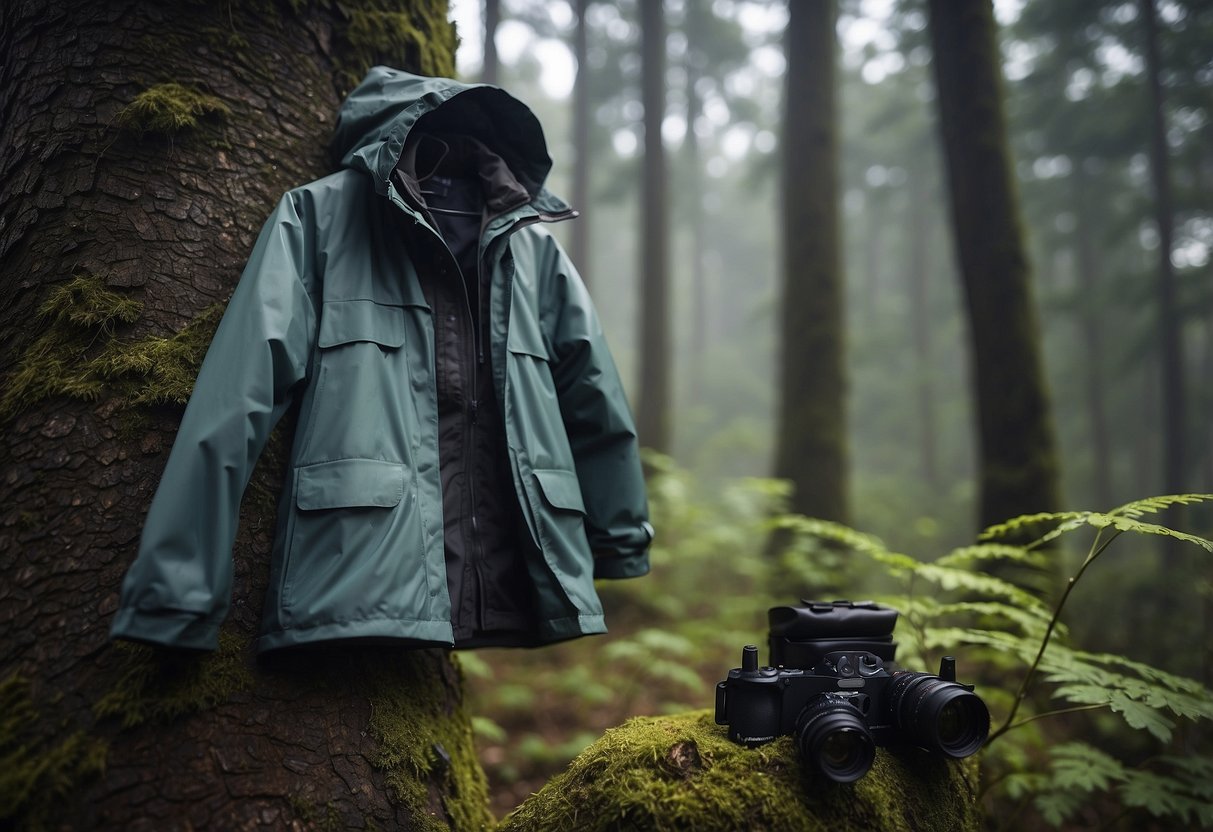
(682,772)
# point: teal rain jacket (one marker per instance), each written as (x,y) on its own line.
(329,313)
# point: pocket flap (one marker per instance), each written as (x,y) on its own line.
(350,483)
(561,488)
(524,336)
(346,321)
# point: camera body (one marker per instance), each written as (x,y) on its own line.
(834,687)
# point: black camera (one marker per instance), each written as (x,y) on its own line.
(834,687)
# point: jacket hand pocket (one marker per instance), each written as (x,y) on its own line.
(349,526)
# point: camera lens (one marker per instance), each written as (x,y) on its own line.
(938,715)
(832,737)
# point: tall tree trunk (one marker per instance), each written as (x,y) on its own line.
(579,248)
(653,421)
(1169,323)
(811,447)
(694,30)
(1092,339)
(920,310)
(1018,459)
(492,19)
(141,147)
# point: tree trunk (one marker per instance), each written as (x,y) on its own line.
(579,242)
(1018,460)
(652,420)
(492,18)
(695,32)
(1092,340)
(1170,325)
(922,325)
(141,147)
(811,446)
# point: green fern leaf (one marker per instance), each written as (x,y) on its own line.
(1057,806)
(1129,524)
(968,556)
(1140,715)
(1153,505)
(1077,765)
(1026,523)
(1160,796)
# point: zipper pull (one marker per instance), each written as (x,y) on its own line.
(472,410)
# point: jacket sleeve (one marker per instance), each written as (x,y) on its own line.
(599,426)
(178,590)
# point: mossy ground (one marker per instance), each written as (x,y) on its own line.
(682,772)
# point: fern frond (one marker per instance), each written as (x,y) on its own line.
(1153,505)
(969,556)
(1129,524)
(1029,523)
(986,585)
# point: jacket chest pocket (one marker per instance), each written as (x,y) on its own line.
(361,388)
(345,322)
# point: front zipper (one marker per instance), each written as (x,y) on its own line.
(476,551)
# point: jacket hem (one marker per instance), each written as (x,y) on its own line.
(405,629)
(170,628)
(558,629)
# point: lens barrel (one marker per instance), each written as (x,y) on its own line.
(938,715)
(832,737)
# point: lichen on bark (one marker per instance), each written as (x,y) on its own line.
(682,772)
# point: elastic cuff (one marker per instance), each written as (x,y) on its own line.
(172,628)
(632,566)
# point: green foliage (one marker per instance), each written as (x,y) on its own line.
(1017,635)
(79,354)
(169,108)
(37,773)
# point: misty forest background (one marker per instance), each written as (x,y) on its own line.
(879,275)
(1121,345)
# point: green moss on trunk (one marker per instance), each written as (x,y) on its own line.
(155,684)
(37,773)
(169,108)
(422,740)
(682,772)
(79,355)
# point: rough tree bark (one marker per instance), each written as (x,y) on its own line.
(1018,458)
(811,449)
(142,144)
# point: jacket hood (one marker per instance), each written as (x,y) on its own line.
(375,120)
